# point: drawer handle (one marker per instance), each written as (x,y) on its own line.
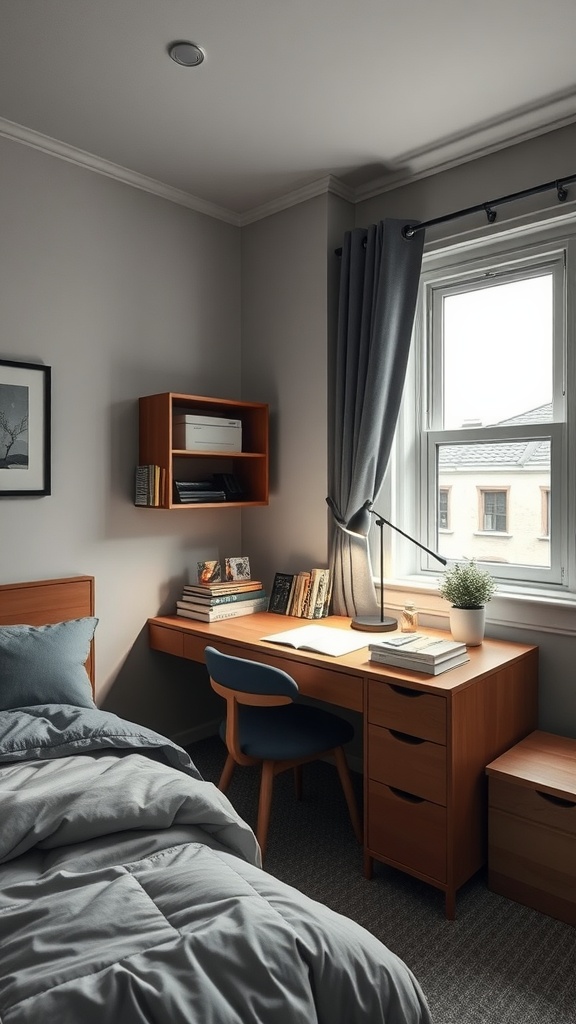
(405,691)
(404,737)
(403,795)
(558,801)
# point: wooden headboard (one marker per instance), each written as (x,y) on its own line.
(46,601)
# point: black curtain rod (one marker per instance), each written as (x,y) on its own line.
(409,230)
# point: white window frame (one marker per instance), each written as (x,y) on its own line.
(524,249)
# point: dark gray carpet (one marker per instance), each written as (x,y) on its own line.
(497,963)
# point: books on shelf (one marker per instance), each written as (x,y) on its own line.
(220,612)
(217,487)
(419,653)
(319,640)
(148,485)
(305,594)
(190,492)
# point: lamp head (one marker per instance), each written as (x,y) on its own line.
(359,524)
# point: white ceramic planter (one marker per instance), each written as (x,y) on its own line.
(467,625)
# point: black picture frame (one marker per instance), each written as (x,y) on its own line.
(25,424)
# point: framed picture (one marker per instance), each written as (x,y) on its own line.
(209,572)
(24,429)
(238,568)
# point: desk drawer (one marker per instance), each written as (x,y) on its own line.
(410,832)
(550,811)
(416,766)
(407,710)
(162,638)
(532,864)
(341,688)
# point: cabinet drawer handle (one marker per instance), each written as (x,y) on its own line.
(558,801)
(403,795)
(405,691)
(404,737)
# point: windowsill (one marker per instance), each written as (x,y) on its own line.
(502,534)
(511,608)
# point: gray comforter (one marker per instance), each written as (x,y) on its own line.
(131,893)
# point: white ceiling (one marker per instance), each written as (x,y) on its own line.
(291,90)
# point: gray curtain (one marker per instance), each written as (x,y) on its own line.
(379,276)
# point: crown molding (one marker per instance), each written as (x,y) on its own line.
(319,187)
(491,137)
(61,150)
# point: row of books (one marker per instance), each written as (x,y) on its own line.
(211,602)
(149,485)
(305,594)
(419,653)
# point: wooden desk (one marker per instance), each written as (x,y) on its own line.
(427,739)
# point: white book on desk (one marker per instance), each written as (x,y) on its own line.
(427,649)
(319,640)
(415,665)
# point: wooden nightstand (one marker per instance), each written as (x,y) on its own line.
(532,824)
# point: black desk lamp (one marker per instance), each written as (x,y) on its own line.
(358,526)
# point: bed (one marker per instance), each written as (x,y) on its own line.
(130,890)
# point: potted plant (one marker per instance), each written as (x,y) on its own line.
(468,589)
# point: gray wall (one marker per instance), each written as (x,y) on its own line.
(122,294)
(284,339)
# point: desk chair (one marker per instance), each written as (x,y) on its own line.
(263,725)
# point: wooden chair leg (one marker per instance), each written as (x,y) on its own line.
(298,781)
(226,775)
(264,804)
(346,783)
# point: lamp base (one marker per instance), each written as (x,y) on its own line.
(374,624)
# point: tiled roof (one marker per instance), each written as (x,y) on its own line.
(517,454)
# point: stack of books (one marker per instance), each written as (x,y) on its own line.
(196,492)
(305,594)
(419,653)
(210,602)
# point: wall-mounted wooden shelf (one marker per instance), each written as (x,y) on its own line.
(250,466)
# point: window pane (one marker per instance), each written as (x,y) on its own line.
(494,518)
(497,353)
(443,510)
(496,495)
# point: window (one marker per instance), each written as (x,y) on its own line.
(545,511)
(486,407)
(493,511)
(444,508)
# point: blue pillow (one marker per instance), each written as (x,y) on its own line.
(45,664)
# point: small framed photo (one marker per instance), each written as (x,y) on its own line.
(209,572)
(24,429)
(238,568)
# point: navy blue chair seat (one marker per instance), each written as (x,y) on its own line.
(288,732)
(264,725)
